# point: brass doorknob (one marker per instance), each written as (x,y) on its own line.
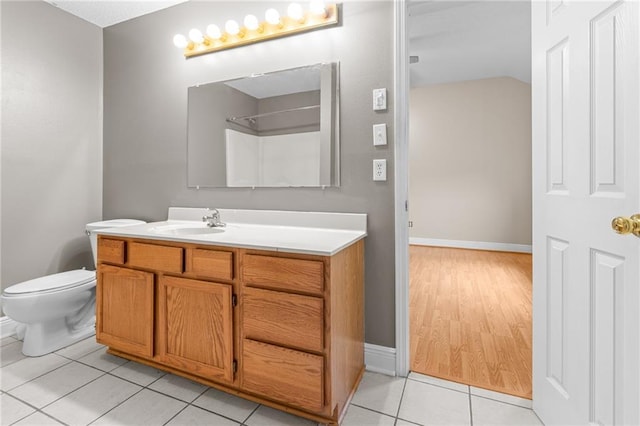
(627,225)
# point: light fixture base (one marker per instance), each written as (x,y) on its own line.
(266,31)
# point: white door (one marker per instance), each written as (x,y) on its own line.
(586,156)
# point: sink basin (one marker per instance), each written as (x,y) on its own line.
(185,229)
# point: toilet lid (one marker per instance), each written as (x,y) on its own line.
(52,282)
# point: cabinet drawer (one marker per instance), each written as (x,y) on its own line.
(160,258)
(111,250)
(282,318)
(210,263)
(281,273)
(283,375)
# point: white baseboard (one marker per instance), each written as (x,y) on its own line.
(7,327)
(380,359)
(475,245)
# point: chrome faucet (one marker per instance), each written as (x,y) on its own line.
(213,220)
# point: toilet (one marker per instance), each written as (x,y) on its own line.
(57,310)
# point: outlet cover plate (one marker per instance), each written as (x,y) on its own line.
(380,170)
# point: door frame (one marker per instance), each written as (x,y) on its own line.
(401,179)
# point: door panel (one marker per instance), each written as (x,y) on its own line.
(586,156)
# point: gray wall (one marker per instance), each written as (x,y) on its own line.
(470,162)
(146,80)
(51,139)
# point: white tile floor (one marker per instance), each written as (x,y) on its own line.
(82,385)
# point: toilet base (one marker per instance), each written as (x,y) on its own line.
(43,338)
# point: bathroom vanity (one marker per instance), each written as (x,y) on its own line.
(279,321)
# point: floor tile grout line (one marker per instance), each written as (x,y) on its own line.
(51,371)
(372,410)
(408,421)
(90,353)
(81,356)
(490,391)
(176,414)
(52,417)
(251,414)
(67,394)
(439,386)
(105,373)
(404,386)
(114,407)
(501,402)
(470,410)
(473,394)
(37,377)
(217,414)
(19,400)
(169,396)
(145,387)
(17,360)
(70,392)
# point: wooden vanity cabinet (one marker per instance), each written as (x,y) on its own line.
(285,330)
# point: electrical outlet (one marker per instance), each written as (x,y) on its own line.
(379,170)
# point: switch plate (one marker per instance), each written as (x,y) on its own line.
(380,170)
(379,134)
(379,99)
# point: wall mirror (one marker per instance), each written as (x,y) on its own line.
(279,129)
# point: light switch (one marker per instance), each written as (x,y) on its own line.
(379,134)
(379,99)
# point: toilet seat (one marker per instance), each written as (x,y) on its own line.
(51,283)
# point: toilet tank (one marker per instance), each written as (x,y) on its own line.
(104,224)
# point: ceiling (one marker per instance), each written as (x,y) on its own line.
(104,13)
(469,40)
(455,40)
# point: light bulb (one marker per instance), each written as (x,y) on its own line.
(272,16)
(180,41)
(196,36)
(317,7)
(251,22)
(295,11)
(232,27)
(214,32)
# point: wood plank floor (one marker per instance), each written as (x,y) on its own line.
(470,317)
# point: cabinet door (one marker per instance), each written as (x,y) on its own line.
(124,310)
(196,327)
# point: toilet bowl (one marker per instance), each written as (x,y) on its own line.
(57,310)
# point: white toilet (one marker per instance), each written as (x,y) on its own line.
(57,310)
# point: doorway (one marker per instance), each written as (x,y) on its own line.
(470,188)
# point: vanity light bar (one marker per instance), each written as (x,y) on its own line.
(296,21)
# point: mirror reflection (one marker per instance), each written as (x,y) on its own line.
(270,130)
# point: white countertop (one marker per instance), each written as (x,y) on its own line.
(316,240)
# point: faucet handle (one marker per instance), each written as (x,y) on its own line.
(214,219)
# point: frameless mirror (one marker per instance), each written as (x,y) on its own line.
(269,130)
